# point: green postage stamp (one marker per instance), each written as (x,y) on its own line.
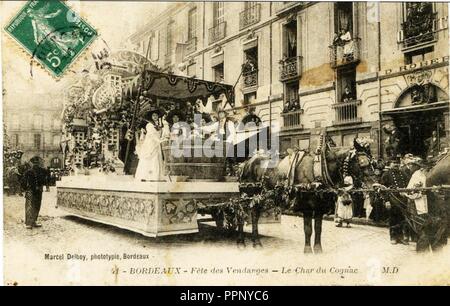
(52,33)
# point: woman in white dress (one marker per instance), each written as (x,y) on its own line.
(148,149)
(344,209)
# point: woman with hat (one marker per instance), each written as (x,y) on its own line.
(174,119)
(148,147)
(224,129)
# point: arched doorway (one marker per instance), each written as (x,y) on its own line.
(419,116)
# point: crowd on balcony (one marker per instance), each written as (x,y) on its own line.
(291,106)
(419,19)
(344,45)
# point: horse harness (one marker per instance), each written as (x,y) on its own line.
(320,168)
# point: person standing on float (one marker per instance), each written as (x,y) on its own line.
(148,148)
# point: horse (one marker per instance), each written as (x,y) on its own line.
(397,177)
(436,228)
(431,228)
(301,170)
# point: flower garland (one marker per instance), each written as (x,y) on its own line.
(238,211)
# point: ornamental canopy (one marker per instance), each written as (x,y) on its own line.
(177,88)
(441,105)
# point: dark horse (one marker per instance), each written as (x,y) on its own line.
(436,229)
(304,174)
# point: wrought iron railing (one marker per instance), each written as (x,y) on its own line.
(419,32)
(217,32)
(191,46)
(347,112)
(343,53)
(250,16)
(292,120)
(290,68)
(250,78)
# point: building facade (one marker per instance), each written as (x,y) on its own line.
(35,127)
(358,69)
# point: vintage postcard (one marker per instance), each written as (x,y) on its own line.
(225,143)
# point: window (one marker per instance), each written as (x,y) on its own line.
(346,85)
(154,46)
(249,98)
(192,24)
(15,140)
(218,73)
(250,69)
(37,141)
(249,5)
(419,55)
(290,39)
(37,122)
(418,26)
(56,140)
(218,16)
(169,38)
(250,15)
(344,18)
(251,57)
(291,101)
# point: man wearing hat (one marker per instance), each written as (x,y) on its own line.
(33,182)
(394,177)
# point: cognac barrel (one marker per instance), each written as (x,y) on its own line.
(194,163)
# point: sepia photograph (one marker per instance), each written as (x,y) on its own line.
(225,144)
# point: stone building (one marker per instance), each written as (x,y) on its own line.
(361,69)
(34,127)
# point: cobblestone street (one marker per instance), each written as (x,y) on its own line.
(354,255)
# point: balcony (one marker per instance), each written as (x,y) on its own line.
(249,16)
(290,68)
(344,53)
(250,79)
(217,32)
(190,47)
(417,33)
(347,112)
(291,120)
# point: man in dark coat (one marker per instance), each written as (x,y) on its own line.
(34,180)
(394,177)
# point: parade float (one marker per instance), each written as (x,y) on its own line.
(101,108)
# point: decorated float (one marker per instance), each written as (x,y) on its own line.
(102,110)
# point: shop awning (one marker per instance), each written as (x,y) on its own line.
(178,88)
(418,108)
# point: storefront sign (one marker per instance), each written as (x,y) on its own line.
(413,66)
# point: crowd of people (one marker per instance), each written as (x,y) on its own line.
(158,127)
(407,213)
